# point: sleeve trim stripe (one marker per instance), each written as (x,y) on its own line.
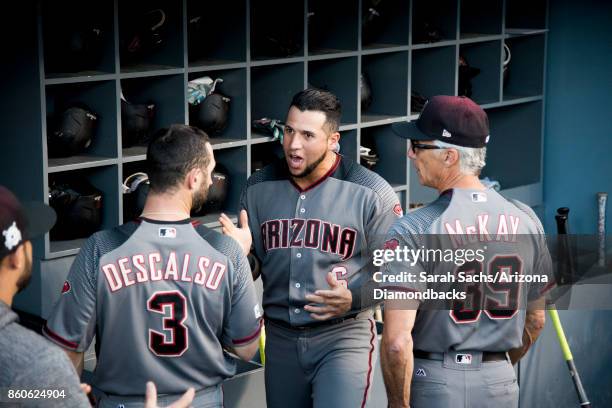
(548,287)
(54,336)
(251,337)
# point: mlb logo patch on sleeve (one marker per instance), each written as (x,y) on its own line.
(479,197)
(167,232)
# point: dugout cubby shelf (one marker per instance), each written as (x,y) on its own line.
(433,73)
(209,41)
(511,127)
(277,29)
(333,27)
(388,76)
(480,18)
(526,67)
(158,23)
(427,19)
(384,24)
(95,97)
(165,92)
(392,152)
(526,14)
(106,180)
(92,22)
(348,144)
(272,87)
(340,77)
(486,56)
(262,70)
(234,87)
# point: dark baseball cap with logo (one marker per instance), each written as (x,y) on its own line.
(451,119)
(21,222)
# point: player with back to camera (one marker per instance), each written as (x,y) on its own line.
(163,294)
(461,357)
(316,217)
(31,363)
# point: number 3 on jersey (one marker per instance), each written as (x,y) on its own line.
(468,311)
(174,341)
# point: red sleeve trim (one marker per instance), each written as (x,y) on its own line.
(251,337)
(56,337)
(552,284)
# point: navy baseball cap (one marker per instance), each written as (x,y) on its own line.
(21,222)
(452,119)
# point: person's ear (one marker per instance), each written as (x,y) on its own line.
(451,156)
(194,179)
(333,140)
(15,260)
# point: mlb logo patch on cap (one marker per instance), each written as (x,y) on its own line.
(167,232)
(479,197)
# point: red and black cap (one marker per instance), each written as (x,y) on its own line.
(21,222)
(452,119)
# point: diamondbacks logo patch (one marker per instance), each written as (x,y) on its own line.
(66,287)
(397,208)
(167,232)
(420,372)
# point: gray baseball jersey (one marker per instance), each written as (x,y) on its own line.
(492,317)
(163,299)
(302,234)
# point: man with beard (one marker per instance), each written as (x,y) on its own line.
(316,217)
(28,361)
(163,294)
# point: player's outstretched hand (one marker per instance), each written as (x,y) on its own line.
(241,233)
(336,301)
(151,398)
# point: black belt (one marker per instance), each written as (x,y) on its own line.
(486,355)
(314,325)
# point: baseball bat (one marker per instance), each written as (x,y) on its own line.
(562,219)
(602,198)
(262,345)
(564,252)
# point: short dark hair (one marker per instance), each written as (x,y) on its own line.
(172,153)
(313,99)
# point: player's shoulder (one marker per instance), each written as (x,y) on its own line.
(107,240)
(528,211)
(353,172)
(225,245)
(23,349)
(421,220)
(274,171)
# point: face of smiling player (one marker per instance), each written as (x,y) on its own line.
(308,145)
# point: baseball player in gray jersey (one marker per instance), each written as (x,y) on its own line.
(163,295)
(315,218)
(463,356)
